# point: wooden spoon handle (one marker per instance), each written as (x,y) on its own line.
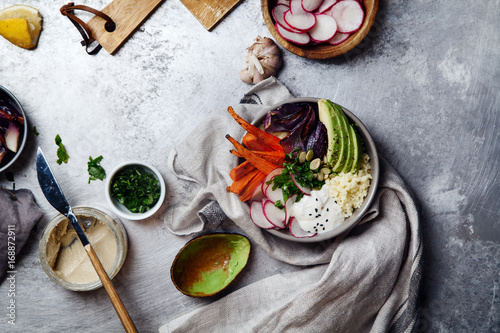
(127,322)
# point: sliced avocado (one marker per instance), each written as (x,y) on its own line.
(344,140)
(357,152)
(333,130)
(350,150)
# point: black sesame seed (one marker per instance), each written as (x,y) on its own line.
(316,210)
(323,228)
(326,220)
(327,210)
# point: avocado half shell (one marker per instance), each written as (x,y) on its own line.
(207,264)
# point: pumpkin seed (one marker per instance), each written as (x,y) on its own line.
(315,164)
(302,157)
(309,156)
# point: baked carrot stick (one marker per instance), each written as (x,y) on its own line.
(253,143)
(249,189)
(269,139)
(238,185)
(274,157)
(260,163)
(241,170)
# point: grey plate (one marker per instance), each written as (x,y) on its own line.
(13,100)
(375,170)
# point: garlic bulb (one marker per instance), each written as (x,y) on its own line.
(263,60)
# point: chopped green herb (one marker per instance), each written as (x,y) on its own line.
(62,155)
(96,171)
(302,173)
(35,131)
(136,189)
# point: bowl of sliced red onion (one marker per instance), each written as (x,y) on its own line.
(13,128)
(319,29)
(320,190)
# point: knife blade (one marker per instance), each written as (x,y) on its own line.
(55,195)
(56,198)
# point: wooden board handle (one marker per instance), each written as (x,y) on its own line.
(127,322)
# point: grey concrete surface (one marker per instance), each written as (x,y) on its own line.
(425,82)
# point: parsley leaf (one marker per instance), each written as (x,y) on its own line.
(136,189)
(62,155)
(96,171)
(302,174)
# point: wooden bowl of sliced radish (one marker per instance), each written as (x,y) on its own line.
(319,29)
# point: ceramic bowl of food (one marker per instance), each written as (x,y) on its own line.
(208,264)
(309,33)
(64,258)
(135,190)
(13,129)
(334,178)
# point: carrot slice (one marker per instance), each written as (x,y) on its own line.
(260,163)
(238,185)
(275,157)
(248,191)
(252,142)
(241,170)
(269,139)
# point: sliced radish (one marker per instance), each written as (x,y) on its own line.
(258,193)
(267,186)
(257,216)
(273,195)
(297,231)
(288,208)
(296,7)
(326,5)
(273,214)
(273,173)
(324,29)
(349,16)
(338,38)
(311,5)
(303,189)
(294,37)
(278,13)
(303,22)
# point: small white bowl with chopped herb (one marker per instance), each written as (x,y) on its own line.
(135,190)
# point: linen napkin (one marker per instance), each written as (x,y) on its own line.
(366,280)
(18,215)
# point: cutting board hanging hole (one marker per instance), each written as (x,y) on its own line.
(110,26)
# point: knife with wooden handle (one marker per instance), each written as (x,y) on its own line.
(56,198)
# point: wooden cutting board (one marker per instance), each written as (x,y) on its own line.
(127,15)
(209,12)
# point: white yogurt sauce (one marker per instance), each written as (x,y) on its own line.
(318,212)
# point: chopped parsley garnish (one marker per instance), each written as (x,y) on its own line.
(96,171)
(136,189)
(35,131)
(62,155)
(302,173)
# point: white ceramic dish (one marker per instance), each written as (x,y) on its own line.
(375,169)
(6,97)
(120,209)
